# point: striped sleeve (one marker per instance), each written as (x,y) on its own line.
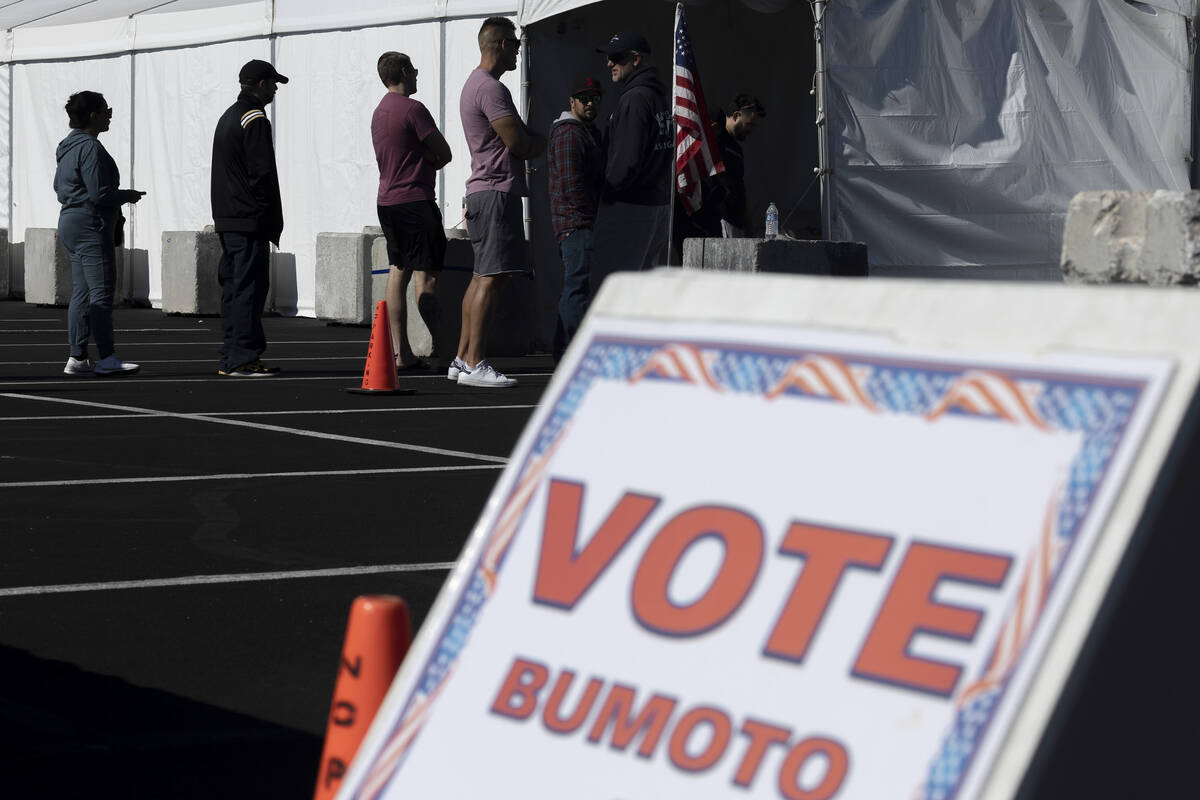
(251,115)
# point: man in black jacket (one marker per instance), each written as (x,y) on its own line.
(722,212)
(631,228)
(248,217)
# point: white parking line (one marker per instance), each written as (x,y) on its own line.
(358,357)
(116,330)
(416,448)
(240,475)
(214,343)
(349,380)
(208,580)
(305,412)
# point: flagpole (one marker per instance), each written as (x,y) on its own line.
(674,157)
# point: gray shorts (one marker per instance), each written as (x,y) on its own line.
(497,233)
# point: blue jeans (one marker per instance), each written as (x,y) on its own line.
(88,238)
(576,251)
(245,275)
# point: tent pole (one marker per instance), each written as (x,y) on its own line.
(1193,176)
(674,154)
(11,230)
(525,102)
(129,240)
(823,169)
(441,173)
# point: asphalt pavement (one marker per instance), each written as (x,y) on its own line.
(179,550)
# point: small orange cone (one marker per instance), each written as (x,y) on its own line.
(377,637)
(379,376)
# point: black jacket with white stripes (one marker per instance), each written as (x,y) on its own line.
(245,182)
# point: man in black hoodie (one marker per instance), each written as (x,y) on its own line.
(248,217)
(631,228)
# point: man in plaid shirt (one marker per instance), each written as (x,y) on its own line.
(576,179)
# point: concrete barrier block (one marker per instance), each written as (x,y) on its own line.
(1103,237)
(190,261)
(47,268)
(1132,237)
(1171,250)
(420,338)
(5,266)
(343,278)
(512,327)
(798,257)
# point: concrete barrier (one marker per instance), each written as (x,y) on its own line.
(420,338)
(1132,237)
(348,261)
(47,271)
(799,257)
(189,272)
(5,266)
(47,268)
(343,278)
(511,328)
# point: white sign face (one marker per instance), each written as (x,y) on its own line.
(763,562)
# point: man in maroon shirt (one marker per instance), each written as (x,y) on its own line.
(409,150)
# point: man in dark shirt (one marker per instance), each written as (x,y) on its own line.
(576,162)
(248,217)
(722,211)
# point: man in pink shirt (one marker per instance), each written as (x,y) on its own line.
(499,142)
(409,150)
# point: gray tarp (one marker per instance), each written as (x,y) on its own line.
(960,131)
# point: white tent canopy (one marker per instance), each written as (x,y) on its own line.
(956,132)
(170,68)
(49,29)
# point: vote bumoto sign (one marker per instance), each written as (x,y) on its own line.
(764,560)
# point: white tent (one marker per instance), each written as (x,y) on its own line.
(960,131)
(953,133)
(171,69)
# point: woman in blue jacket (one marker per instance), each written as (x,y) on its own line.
(89,227)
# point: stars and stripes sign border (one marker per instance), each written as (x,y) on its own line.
(1100,409)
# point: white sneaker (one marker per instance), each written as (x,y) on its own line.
(457,367)
(78,366)
(115,366)
(484,375)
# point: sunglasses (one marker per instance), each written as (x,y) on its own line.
(587,98)
(621,59)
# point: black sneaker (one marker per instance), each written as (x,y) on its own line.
(255,369)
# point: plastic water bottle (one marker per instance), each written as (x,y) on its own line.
(772,229)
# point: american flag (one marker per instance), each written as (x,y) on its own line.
(696,155)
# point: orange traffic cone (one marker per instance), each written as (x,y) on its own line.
(379,376)
(377,637)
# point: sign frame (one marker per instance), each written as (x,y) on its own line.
(838,305)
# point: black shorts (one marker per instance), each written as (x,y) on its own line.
(415,236)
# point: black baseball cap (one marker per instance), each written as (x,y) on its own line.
(623,43)
(256,70)
(588,85)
